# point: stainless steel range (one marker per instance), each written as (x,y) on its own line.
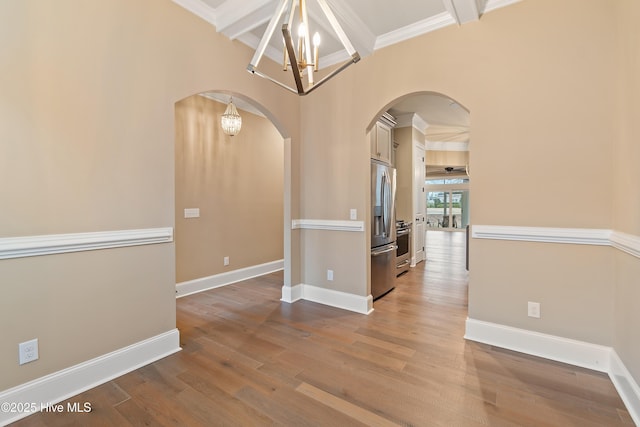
(403,241)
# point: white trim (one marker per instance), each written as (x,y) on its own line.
(26,246)
(411,120)
(291,293)
(447,146)
(227,278)
(61,385)
(578,353)
(626,242)
(627,387)
(578,236)
(327,224)
(496,4)
(433,23)
(199,8)
(330,297)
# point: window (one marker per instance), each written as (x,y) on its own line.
(447,203)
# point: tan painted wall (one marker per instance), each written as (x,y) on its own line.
(627,184)
(87,99)
(536,99)
(236,182)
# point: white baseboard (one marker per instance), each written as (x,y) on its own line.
(573,352)
(223,279)
(627,387)
(61,385)
(330,297)
(292,293)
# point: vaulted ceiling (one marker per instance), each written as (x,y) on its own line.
(370,25)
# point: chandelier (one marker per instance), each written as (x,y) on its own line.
(231,121)
(299,55)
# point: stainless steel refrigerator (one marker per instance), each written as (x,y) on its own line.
(383,230)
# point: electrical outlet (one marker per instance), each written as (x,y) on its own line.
(28,351)
(534,309)
(329,274)
(353,214)
(225,260)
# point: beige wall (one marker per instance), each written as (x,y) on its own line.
(536,99)
(626,186)
(236,182)
(87,100)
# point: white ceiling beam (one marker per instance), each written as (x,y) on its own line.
(199,8)
(463,11)
(360,35)
(233,19)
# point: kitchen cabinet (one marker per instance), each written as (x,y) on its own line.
(382,139)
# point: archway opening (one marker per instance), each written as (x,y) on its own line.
(429,152)
(230,193)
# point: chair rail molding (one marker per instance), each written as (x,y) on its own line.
(49,244)
(576,236)
(628,243)
(327,224)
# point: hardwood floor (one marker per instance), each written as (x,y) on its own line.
(249,359)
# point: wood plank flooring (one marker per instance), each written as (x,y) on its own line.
(250,360)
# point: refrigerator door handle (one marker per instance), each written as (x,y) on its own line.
(386,184)
(383,202)
(391,248)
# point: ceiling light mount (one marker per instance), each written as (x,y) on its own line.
(299,56)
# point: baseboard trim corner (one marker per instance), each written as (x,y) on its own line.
(573,352)
(330,297)
(291,294)
(223,279)
(61,385)
(627,387)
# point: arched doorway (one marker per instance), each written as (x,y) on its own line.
(231,200)
(430,133)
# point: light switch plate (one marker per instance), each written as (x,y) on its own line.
(192,213)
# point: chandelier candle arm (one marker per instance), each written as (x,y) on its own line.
(299,55)
(306,59)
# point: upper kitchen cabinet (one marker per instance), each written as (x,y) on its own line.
(382,139)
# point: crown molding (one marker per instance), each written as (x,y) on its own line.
(497,4)
(433,23)
(411,120)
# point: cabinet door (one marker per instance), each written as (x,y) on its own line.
(383,143)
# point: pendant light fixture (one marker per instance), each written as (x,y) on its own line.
(298,55)
(231,121)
